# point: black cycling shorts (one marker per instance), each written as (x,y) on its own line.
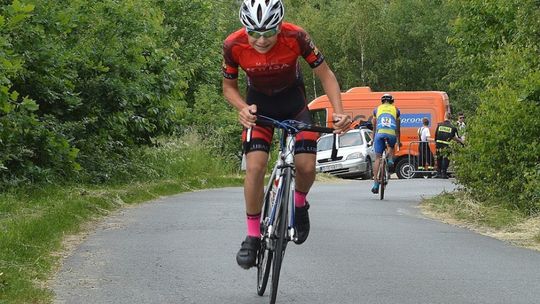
(289,104)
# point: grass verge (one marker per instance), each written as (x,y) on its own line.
(35,220)
(497,221)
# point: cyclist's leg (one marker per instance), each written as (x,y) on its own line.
(305,173)
(304,160)
(256,163)
(305,176)
(391,143)
(378,147)
(376,166)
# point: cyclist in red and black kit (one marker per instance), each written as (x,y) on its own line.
(267,49)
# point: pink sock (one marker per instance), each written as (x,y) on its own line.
(299,198)
(253,225)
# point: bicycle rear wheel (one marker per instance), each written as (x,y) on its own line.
(264,263)
(264,258)
(281,241)
(382,177)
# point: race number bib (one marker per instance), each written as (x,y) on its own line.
(386,122)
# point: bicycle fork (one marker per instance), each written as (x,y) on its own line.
(289,161)
(285,166)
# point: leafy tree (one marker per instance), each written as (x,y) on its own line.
(413,53)
(102,75)
(497,72)
(486,35)
(29,150)
(397,45)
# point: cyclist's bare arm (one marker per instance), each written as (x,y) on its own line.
(232,94)
(332,90)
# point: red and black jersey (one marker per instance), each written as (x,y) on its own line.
(275,70)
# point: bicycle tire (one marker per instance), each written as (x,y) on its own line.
(382,177)
(264,263)
(281,241)
(265,255)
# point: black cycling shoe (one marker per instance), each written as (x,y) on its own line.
(247,255)
(301,217)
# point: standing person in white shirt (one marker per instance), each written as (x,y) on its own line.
(461,126)
(425,157)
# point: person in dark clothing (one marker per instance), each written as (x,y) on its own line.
(445,132)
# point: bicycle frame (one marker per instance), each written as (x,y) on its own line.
(285,160)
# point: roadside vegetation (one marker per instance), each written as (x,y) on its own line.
(106,103)
(496,78)
(35,219)
(499,222)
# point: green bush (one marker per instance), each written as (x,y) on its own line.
(30,149)
(94,81)
(497,73)
(500,163)
(213,116)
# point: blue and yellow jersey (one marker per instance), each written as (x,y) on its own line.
(387,116)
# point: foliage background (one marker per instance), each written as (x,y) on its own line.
(86,86)
(118,94)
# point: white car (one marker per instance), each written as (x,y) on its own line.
(354,157)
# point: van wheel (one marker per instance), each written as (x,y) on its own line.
(404,169)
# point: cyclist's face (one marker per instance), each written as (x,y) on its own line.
(262,44)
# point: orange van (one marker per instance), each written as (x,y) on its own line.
(360,102)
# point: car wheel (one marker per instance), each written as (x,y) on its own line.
(369,170)
(404,169)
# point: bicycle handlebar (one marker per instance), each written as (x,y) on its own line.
(293,127)
(291,124)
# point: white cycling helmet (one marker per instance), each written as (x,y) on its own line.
(261,14)
(388,98)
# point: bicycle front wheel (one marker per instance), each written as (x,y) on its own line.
(281,233)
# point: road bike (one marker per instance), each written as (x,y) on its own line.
(383,175)
(278,225)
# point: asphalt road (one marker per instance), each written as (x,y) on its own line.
(181,249)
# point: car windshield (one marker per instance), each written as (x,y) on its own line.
(346,140)
(350,139)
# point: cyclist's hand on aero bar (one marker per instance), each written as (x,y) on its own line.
(342,122)
(247,116)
